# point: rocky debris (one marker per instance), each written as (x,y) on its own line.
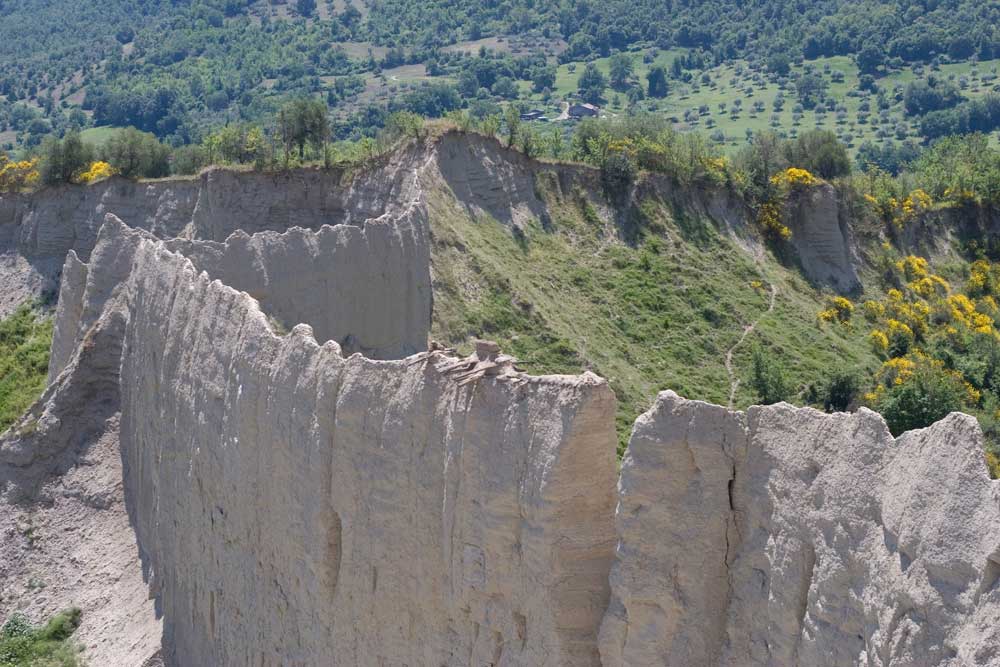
(786,536)
(66,537)
(486,361)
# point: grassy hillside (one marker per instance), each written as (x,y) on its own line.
(25,339)
(658,314)
(721,99)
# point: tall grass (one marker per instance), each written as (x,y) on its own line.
(25,341)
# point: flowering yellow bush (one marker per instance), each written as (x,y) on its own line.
(874,310)
(900,370)
(879,341)
(770,221)
(918,202)
(794,177)
(719,164)
(963,311)
(984,278)
(979,274)
(17,176)
(900,334)
(922,281)
(960,195)
(98,172)
(930,286)
(914,314)
(912,267)
(839,309)
(900,211)
(911,387)
(961,306)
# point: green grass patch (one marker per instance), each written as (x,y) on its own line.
(50,645)
(25,342)
(659,313)
(98,136)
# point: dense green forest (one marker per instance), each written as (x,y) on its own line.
(181,69)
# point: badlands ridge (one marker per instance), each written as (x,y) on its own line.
(249,454)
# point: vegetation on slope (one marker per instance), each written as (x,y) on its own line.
(50,645)
(659,312)
(662,297)
(25,341)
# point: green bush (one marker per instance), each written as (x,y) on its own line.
(135,154)
(62,625)
(837,391)
(23,645)
(821,152)
(929,395)
(767,378)
(189,160)
(62,161)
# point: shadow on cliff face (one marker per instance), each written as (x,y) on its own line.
(67,531)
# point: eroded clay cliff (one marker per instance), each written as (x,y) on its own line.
(786,536)
(285,500)
(381,512)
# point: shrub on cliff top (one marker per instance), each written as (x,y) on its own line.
(17,176)
(915,391)
(64,160)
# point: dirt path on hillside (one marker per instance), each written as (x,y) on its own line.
(734,382)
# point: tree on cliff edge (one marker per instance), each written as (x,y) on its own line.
(303,122)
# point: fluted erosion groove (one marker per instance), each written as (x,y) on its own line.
(294,506)
(339,494)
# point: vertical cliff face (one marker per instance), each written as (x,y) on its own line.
(293,505)
(789,537)
(366,287)
(211,206)
(38,231)
(67,539)
(822,238)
